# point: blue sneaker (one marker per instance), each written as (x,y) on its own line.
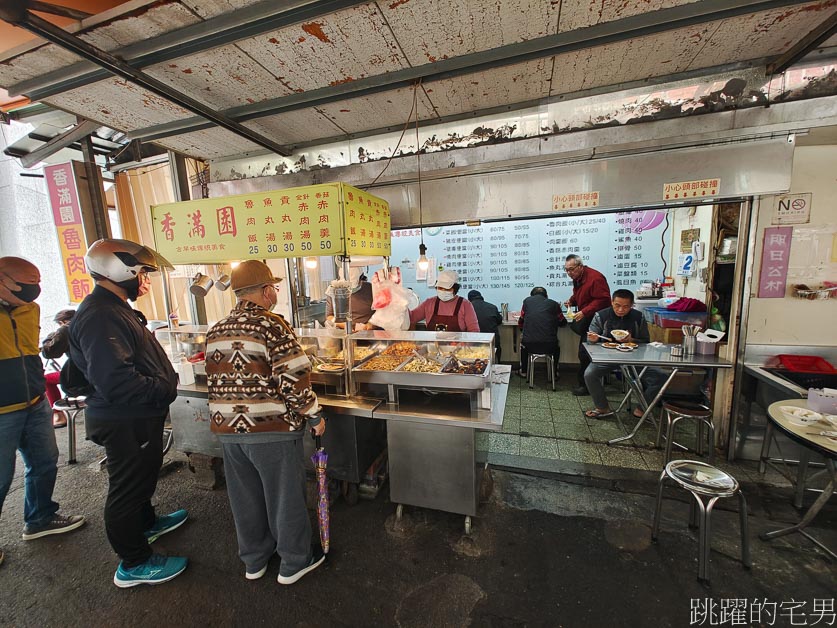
(165,524)
(156,570)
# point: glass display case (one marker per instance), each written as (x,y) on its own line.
(445,361)
(185,347)
(326,348)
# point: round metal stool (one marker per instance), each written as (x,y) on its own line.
(673,412)
(550,365)
(703,480)
(70,407)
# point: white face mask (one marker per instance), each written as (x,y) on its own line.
(444,295)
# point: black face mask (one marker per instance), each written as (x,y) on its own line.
(28,292)
(131,286)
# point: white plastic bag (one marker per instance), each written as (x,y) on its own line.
(390,300)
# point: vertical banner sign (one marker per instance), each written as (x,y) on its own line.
(775,253)
(66,212)
(367,223)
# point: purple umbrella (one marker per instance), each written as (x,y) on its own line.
(320,460)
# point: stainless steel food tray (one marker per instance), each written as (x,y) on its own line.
(450,381)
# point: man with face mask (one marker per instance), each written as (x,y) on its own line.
(133,385)
(260,403)
(25,415)
(446,311)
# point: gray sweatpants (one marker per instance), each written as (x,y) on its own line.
(266,488)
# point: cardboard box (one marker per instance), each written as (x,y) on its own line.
(667,335)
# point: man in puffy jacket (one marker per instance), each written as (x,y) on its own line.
(25,415)
(133,385)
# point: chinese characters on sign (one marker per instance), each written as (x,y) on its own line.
(774,262)
(691,189)
(761,612)
(294,222)
(66,212)
(575,200)
(367,223)
(792,209)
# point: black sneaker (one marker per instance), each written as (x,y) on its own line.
(580,391)
(317,559)
(59,525)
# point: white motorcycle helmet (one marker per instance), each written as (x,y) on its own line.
(121,261)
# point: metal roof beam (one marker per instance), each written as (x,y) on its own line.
(54,9)
(227,28)
(14,13)
(65,139)
(813,39)
(607,33)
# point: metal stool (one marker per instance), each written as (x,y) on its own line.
(701,479)
(676,411)
(70,407)
(550,365)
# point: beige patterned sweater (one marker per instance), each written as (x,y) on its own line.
(258,375)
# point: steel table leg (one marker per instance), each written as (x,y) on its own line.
(765,447)
(812,512)
(801,472)
(648,410)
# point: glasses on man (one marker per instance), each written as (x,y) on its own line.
(571,269)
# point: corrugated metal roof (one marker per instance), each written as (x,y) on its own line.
(376,41)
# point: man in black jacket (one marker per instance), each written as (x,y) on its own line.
(488,316)
(540,318)
(133,385)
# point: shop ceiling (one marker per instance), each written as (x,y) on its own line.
(280,75)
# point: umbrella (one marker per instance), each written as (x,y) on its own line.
(320,460)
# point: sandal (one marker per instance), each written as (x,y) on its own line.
(595,413)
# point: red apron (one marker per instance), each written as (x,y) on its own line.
(444,323)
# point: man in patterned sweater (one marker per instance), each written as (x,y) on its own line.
(260,400)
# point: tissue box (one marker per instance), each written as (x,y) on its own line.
(704,347)
(822,401)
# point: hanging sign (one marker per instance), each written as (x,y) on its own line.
(66,212)
(575,200)
(775,254)
(367,223)
(792,209)
(691,189)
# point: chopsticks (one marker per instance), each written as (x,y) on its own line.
(691,330)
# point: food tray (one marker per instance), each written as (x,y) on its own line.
(805,363)
(399,377)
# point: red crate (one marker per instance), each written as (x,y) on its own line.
(805,363)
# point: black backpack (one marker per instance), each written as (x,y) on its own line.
(73,382)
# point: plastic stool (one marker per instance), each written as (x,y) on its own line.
(70,407)
(550,365)
(675,412)
(703,480)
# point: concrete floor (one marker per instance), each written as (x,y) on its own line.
(547,549)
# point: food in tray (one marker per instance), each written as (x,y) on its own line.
(477,367)
(382,363)
(402,349)
(610,345)
(630,345)
(472,353)
(625,348)
(359,353)
(330,368)
(422,366)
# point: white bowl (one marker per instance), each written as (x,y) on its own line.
(620,334)
(831,419)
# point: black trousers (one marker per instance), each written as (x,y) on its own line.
(548,348)
(134,448)
(583,356)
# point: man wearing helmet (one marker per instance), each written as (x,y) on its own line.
(133,385)
(25,415)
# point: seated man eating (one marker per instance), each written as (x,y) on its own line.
(619,316)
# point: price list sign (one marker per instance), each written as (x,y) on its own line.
(367,223)
(505,260)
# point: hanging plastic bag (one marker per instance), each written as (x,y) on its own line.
(390,300)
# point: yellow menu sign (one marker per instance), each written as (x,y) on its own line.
(367,223)
(314,220)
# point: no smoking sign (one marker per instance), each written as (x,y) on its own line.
(792,209)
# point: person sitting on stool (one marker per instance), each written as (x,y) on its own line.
(540,318)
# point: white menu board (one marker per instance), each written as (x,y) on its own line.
(505,260)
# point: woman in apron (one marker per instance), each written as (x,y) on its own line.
(446,311)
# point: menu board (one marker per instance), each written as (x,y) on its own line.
(505,260)
(367,223)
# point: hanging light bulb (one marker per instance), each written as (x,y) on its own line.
(311,262)
(423,262)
